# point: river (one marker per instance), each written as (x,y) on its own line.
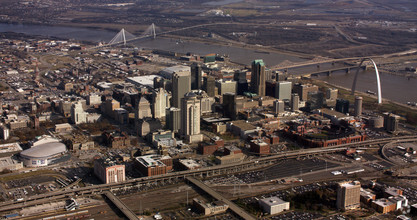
(238,55)
(396,88)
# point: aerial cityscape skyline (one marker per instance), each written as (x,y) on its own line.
(222,109)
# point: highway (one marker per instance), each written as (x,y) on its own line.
(236,209)
(122,207)
(203,172)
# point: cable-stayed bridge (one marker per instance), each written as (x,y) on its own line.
(123,37)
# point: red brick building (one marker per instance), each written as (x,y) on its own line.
(109,171)
(259,147)
(151,165)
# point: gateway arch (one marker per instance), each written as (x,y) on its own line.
(377,79)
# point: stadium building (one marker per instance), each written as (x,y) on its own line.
(43,154)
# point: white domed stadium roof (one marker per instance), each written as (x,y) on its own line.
(44,150)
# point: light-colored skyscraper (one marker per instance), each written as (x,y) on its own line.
(143,109)
(295,101)
(181,84)
(4,132)
(190,118)
(258,77)
(78,115)
(348,195)
(283,90)
(159,104)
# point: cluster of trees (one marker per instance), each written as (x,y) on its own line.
(317,200)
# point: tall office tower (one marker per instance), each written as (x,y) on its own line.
(229,105)
(190,118)
(283,90)
(303,89)
(225,86)
(315,100)
(78,115)
(348,195)
(258,77)
(358,106)
(242,87)
(279,106)
(209,86)
(342,106)
(173,116)
(196,77)
(239,75)
(270,88)
(159,103)
(269,74)
(181,84)
(143,109)
(295,100)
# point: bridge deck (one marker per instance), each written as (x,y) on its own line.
(236,209)
(122,207)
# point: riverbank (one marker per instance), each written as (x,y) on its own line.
(370,102)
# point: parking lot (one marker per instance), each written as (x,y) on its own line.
(297,215)
(286,168)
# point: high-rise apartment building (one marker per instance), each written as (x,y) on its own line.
(348,195)
(190,118)
(391,122)
(258,77)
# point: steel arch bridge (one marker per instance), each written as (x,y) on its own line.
(378,81)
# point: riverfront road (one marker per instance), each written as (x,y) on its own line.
(203,172)
(122,207)
(236,209)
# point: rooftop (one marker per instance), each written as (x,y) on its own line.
(190,164)
(150,160)
(13,147)
(143,80)
(383,202)
(349,184)
(273,201)
(258,62)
